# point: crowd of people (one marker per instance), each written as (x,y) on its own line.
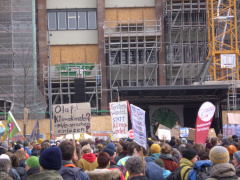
(178,159)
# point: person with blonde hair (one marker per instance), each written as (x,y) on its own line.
(21,155)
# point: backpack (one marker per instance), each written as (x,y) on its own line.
(69,173)
(197,174)
(176,175)
(14,174)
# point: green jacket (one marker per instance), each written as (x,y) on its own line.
(46,175)
(188,166)
(4,176)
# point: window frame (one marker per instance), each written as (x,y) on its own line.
(76,11)
(68,18)
(65,20)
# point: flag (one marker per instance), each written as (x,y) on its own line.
(12,127)
(35,133)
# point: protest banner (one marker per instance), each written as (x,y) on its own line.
(72,118)
(184,132)
(119,116)
(204,120)
(139,127)
(164,134)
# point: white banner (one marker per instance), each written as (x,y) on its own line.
(119,116)
(139,127)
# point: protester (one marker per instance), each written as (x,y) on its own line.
(121,162)
(152,170)
(236,162)
(50,162)
(167,158)
(68,169)
(21,155)
(123,153)
(221,169)
(15,165)
(134,165)
(155,151)
(103,172)
(4,167)
(32,167)
(88,160)
(188,160)
(201,170)
(231,149)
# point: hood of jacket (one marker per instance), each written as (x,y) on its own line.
(184,162)
(202,163)
(33,170)
(223,170)
(154,156)
(166,156)
(21,171)
(89,157)
(106,174)
(46,174)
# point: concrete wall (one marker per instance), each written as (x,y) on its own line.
(74,54)
(74,37)
(129,3)
(62,4)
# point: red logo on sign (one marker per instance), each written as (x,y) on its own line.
(130,134)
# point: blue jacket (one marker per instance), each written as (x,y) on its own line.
(152,170)
(199,165)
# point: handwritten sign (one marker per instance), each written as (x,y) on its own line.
(139,127)
(119,116)
(72,118)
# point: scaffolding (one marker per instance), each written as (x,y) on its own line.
(62,81)
(18,61)
(186,40)
(132,50)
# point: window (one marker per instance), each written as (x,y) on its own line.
(82,20)
(92,20)
(62,22)
(72,19)
(52,23)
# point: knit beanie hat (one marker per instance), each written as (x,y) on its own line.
(33,161)
(40,140)
(184,141)
(111,146)
(17,146)
(155,148)
(189,153)
(237,156)
(219,154)
(4,156)
(4,144)
(160,162)
(51,158)
(109,151)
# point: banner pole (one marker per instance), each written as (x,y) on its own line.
(143,161)
(74,144)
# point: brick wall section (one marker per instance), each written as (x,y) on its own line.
(42,34)
(159,10)
(101,55)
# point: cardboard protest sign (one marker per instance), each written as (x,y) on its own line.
(191,134)
(212,133)
(139,127)
(175,132)
(164,133)
(160,126)
(72,118)
(119,116)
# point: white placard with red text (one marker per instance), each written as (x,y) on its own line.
(119,116)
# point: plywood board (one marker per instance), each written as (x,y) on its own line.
(74,54)
(191,134)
